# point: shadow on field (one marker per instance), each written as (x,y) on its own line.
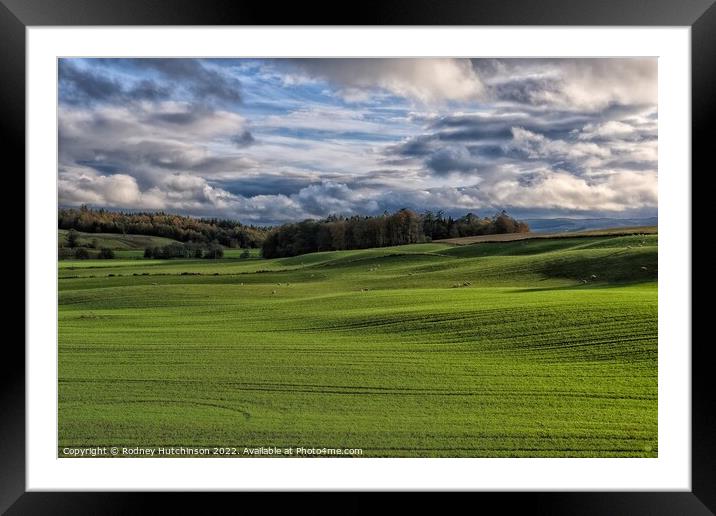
(588,286)
(618,267)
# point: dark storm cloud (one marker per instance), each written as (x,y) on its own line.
(156,79)
(78,86)
(523,91)
(451,159)
(104,168)
(243,139)
(264,185)
(498,126)
(177,117)
(148,90)
(489,151)
(204,82)
(160,155)
(414,147)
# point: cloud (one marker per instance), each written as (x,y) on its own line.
(180,192)
(497,123)
(145,79)
(86,86)
(563,191)
(265,183)
(271,141)
(491,141)
(325,198)
(199,77)
(83,185)
(149,140)
(596,83)
(629,129)
(329,119)
(538,146)
(243,139)
(536,161)
(425,80)
(571,83)
(417,146)
(451,159)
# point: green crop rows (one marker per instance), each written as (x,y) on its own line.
(537,348)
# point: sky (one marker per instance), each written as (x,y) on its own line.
(269,141)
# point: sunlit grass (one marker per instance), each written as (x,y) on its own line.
(524,349)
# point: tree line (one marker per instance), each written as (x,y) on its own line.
(437,226)
(206,238)
(360,232)
(228,233)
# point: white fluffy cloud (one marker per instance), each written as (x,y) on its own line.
(426,80)
(565,191)
(83,185)
(596,83)
(611,129)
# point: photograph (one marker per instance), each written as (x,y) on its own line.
(357,257)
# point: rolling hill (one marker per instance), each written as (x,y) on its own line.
(534,348)
(115,241)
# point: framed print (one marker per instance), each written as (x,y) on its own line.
(410,249)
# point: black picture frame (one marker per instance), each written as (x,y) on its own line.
(17,15)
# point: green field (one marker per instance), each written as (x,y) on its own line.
(115,241)
(131,246)
(533,348)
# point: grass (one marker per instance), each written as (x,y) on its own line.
(537,348)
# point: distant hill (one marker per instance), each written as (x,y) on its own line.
(228,233)
(114,241)
(512,237)
(567,224)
